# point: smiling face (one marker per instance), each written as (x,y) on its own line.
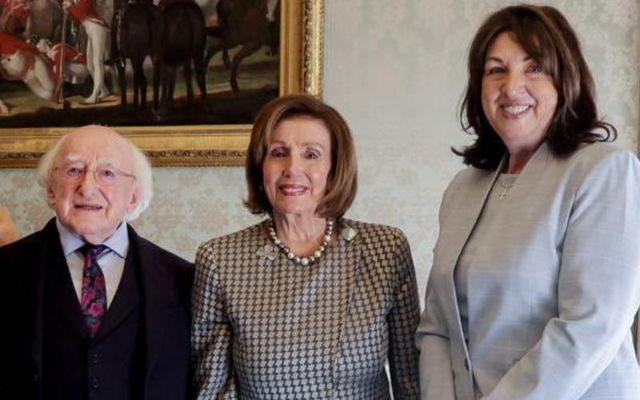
(296,166)
(518,97)
(88,207)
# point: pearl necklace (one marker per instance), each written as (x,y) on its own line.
(302,261)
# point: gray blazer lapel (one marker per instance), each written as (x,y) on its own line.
(470,199)
(469,214)
(471,202)
(461,208)
(464,203)
(533,172)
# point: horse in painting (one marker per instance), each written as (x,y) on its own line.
(183,45)
(247,23)
(141,29)
(20,61)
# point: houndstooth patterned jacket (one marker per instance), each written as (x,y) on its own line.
(265,328)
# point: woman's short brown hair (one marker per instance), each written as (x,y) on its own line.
(545,34)
(342,180)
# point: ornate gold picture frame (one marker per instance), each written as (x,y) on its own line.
(300,71)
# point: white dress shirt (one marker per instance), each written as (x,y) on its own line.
(111,261)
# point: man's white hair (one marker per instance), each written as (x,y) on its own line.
(141,169)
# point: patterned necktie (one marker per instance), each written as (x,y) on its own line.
(93,299)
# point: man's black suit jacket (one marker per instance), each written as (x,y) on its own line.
(165,282)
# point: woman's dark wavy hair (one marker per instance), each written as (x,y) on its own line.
(544,33)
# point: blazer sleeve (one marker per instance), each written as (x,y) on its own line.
(403,320)
(432,338)
(598,288)
(211,333)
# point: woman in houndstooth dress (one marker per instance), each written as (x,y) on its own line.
(306,304)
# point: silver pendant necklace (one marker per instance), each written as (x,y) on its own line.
(506,182)
(302,261)
(505,190)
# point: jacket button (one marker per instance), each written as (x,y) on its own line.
(94,358)
(35,377)
(95,383)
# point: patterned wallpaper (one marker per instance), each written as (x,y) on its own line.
(395,70)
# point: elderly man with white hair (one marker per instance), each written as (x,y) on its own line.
(90,309)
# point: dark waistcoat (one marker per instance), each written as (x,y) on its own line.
(107,367)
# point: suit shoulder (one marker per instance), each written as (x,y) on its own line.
(469,175)
(464,181)
(242,237)
(372,231)
(26,245)
(594,153)
(383,247)
(601,158)
(160,254)
(221,254)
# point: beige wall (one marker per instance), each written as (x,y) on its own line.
(395,69)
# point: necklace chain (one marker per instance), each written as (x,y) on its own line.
(302,261)
(506,188)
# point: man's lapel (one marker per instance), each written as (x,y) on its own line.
(156,293)
(36,274)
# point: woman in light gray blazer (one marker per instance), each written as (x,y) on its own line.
(536,272)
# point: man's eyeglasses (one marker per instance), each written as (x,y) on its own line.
(103,174)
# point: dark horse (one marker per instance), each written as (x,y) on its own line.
(140,35)
(183,44)
(45,19)
(242,23)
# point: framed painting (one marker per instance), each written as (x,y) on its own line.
(176,125)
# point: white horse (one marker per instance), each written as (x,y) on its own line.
(32,69)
